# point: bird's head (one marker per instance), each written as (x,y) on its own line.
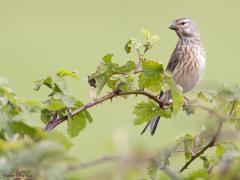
(185,28)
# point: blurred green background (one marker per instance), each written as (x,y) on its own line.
(39,37)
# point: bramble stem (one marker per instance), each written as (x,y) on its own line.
(52,124)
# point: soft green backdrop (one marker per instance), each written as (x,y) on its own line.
(40,37)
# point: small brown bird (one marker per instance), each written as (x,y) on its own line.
(187,62)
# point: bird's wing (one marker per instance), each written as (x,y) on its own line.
(173,60)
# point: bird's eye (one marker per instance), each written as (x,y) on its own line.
(183,23)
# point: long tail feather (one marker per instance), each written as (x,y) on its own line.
(152,125)
(143,131)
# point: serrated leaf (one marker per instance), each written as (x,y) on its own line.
(54,104)
(128,67)
(151,76)
(147,111)
(65,72)
(152,68)
(152,83)
(121,82)
(76,124)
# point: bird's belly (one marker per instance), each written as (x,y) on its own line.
(187,82)
(190,78)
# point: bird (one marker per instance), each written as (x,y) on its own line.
(187,62)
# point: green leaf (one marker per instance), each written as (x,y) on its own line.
(38,85)
(101,81)
(88,116)
(65,72)
(128,47)
(151,76)
(187,142)
(206,162)
(54,104)
(220,150)
(76,124)
(128,67)
(108,58)
(8,94)
(121,82)
(152,68)
(48,81)
(45,116)
(107,70)
(197,174)
(22,128)
(147,111)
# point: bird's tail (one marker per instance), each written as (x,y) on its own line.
(152,125)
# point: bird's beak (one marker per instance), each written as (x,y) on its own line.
(173,27)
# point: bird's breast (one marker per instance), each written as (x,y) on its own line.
(191,66)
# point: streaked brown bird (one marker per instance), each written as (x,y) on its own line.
(187,62)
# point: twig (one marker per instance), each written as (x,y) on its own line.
(209,145)
(215,136)
(52,124)
(135,161)
(140,58)
(93,163)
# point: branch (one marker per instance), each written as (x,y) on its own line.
(215,136)
(53,123)
(93,163)
(209,145)
(135,161)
